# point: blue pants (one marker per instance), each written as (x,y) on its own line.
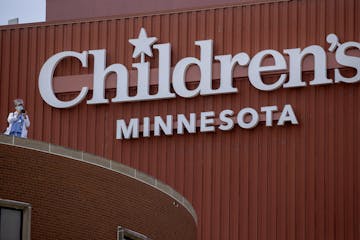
(16,134)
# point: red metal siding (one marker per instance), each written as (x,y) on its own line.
(291,182)
(66,9)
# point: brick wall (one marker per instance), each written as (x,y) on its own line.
(76,200)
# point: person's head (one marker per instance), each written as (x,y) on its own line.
(19,105)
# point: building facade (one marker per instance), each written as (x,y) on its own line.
(288,168)
(60,193)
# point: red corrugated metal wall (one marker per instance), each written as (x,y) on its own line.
(291,182)
(66,9)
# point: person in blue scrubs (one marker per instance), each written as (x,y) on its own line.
(18,121)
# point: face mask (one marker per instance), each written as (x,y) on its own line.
(19,108)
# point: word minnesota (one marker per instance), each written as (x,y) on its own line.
(246,118)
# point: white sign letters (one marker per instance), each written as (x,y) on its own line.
(290,77)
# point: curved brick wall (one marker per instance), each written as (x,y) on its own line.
(74,199)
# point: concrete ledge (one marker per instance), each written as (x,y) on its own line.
(6,139)
(100,162)
(165,188)
(96,160)
(145,178)
(67,152)
(118,167)
(24,142)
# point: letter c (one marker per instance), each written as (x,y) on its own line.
(46,80)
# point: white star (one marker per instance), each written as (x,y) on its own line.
(142,44)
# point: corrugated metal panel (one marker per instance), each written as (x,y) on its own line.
(292,182)
(65,9)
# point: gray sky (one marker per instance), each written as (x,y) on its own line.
(26,10)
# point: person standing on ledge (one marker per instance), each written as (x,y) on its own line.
(18,121)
